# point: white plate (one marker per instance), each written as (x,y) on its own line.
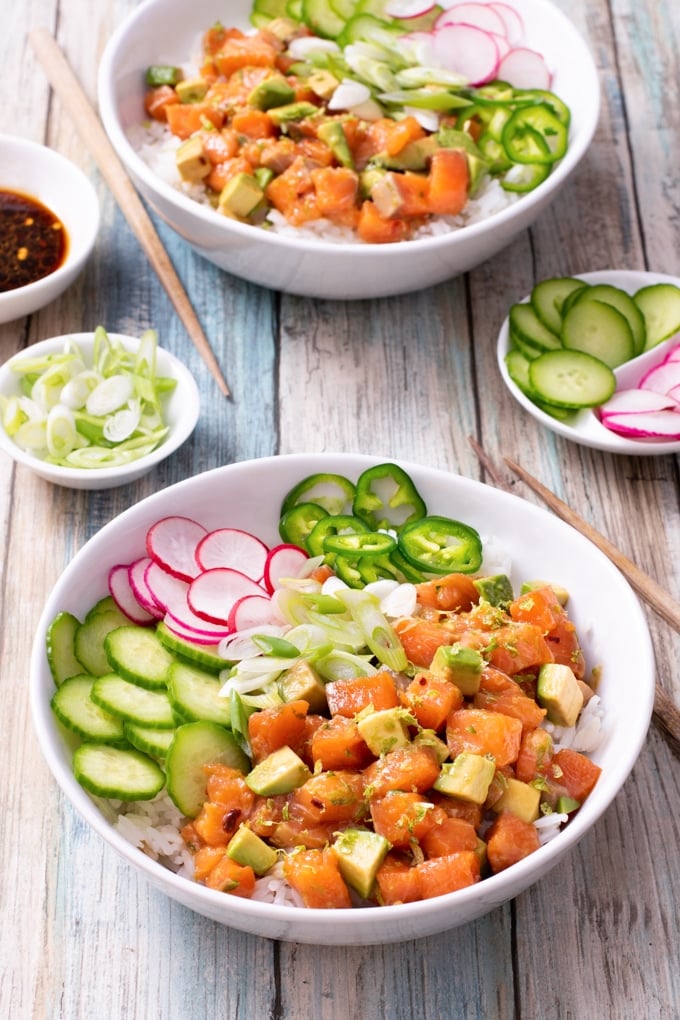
(585,427)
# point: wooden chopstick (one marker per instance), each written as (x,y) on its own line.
(666,713)
(68,88)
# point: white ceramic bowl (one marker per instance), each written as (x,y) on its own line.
(249,495)
(180,411)
(45,175)
(584,427)
(166,31)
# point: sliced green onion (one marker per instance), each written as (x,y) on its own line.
(61,431)
(379,634)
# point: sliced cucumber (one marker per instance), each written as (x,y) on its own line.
(518,370)
(60,638)
(598,329)
(74,708)
(149,739)
(88,642)
(265,11)
(571,379)
(322,19)
(525,323)
(120,774)
(529,351)
(138,654)
(660,306)
(623,303)
(548,297)
(106,605)
(195,745)
(195,694)
(202,655)
(133,703)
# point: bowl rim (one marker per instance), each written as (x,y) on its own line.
(309,924)
(587,430)
(181,431)
(395,249)
(85,236)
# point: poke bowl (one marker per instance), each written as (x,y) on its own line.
(320,253)
(516,537)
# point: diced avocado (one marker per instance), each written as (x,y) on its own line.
(191,90)
(360,853)
(428,738)
(163,74)
(191,160)
(302,682)
(280,772)
(292,112)
(246,848)
(559,693)
(273,91)
(263,175)
(478,169)
(368,178)
(333,134)
(240,196)
(467,777)
(561,593)
(566,805)
(322,83)
(521,799)
(385,730)
(452,138)
(414,156)
(496,589)
(461,666)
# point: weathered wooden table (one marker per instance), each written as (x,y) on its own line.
(408,377)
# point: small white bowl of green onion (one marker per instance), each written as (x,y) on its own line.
(95,410)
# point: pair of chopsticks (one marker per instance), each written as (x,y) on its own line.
(666,713)
(68,88)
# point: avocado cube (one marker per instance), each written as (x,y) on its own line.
(452,138)
(561,593)
(191,90)
(323,84)
(246,848)
(191,160)
(461,666)
(368,179)
(360,853)
(273,91)
(467,777)
(385,730)
(520,799)
(240,196)
(496,589)
(428,738)
(414,156)
(291,112)
(478,170)
(559,693)
(302,682)
(280,772)
(333,134)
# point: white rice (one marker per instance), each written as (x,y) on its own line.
(586,735)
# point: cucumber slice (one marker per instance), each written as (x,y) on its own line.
(571,379)
(520,344)
(74,708)
(518,370)
(265,11)
(600,330)
(525,323)
(660,306)
(548,297)
(88,642)
(322,19)
(106,605)
(133,703)
(59,646)
(116,773)
(195,694)
(202,655)
(137,654)
(623,303)
(194,745)
(149,739)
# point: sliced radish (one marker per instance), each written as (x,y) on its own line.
(673,354)
(661,378)
(514,26)
(165,588)
(405,9)
(476,14)
(124,597)
(211,595)
(143,594)
(467,50)
(283,561)
(502,45)
(251,611)
(634,401)
(196,637)
(172,542)
(524,69)
(655,425)
(231,547)
(180,610)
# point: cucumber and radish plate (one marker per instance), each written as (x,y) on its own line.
(596,358)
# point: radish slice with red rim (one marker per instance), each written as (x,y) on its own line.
(211,595)
(165,588)
(122,594)
(231,547)
(634,401)
(405,9)
(283,561)
(142,592)
(180,610)
(467,50)
(251,611)
(478,15)
(196,637)
(652,425)
(524,69)
(512,19)
(662,377)
(172,543)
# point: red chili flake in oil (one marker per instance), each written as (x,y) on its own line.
(33,241)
